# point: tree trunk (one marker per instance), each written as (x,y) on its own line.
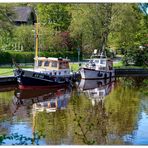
(106,25)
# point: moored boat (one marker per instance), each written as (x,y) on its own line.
(99,67)
(50,72)
(47,72)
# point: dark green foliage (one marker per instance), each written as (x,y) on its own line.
(136,56)
(28,57)
(20,139)
(64,54)
(5,57)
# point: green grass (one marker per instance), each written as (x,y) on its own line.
(74,66)
(118,65)
(6,71)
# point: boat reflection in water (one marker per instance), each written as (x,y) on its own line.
(96,90)
(49,99)
(6,88)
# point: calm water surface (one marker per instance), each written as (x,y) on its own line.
(94,112)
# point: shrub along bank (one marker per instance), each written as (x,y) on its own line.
(28,57)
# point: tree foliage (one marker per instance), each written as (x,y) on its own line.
(54,15)
(90,23)
(5,18)
(84,26)
(24,35)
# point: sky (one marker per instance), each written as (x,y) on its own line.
(75,1)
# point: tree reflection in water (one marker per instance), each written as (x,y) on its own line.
(113,119)
(105,122)
(98,115)
(122,106)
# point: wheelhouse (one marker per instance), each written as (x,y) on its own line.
(101,63)
(52,63)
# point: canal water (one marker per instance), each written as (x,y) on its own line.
(92,112)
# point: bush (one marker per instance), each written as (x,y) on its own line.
(136,56)
(28,57)
(5,57)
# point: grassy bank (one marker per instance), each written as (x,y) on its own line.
(6,71)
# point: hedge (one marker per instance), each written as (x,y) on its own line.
(28,57)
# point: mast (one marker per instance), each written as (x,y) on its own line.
(36,41)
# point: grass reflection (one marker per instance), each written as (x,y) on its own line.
(122,107)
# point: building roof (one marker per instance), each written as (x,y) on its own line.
(22,14)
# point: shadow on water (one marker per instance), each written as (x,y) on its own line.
(95,112)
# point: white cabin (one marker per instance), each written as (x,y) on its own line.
(100,63)
(52,66)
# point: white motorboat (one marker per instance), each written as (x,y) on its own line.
(99,67)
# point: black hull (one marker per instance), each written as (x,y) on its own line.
(27,81)
(8,80)
(32,79)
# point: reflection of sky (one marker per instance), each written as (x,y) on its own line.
(21,128)
(141,134)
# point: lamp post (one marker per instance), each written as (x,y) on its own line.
(78,49)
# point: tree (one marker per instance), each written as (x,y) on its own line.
(55,19)
(54,15)
(96,18)
(5,24)
(130,33)
(5,18)
(125,24)
(24,36)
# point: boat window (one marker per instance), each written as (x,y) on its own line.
(54,64)
(102,61)
(63,65)
(96,61)
(67,64)
(40,63)
(52,104)
(46,63)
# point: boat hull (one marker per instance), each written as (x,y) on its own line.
(31,80)
(91,74)
(92,84)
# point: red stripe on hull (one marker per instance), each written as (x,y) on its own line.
(24,87)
